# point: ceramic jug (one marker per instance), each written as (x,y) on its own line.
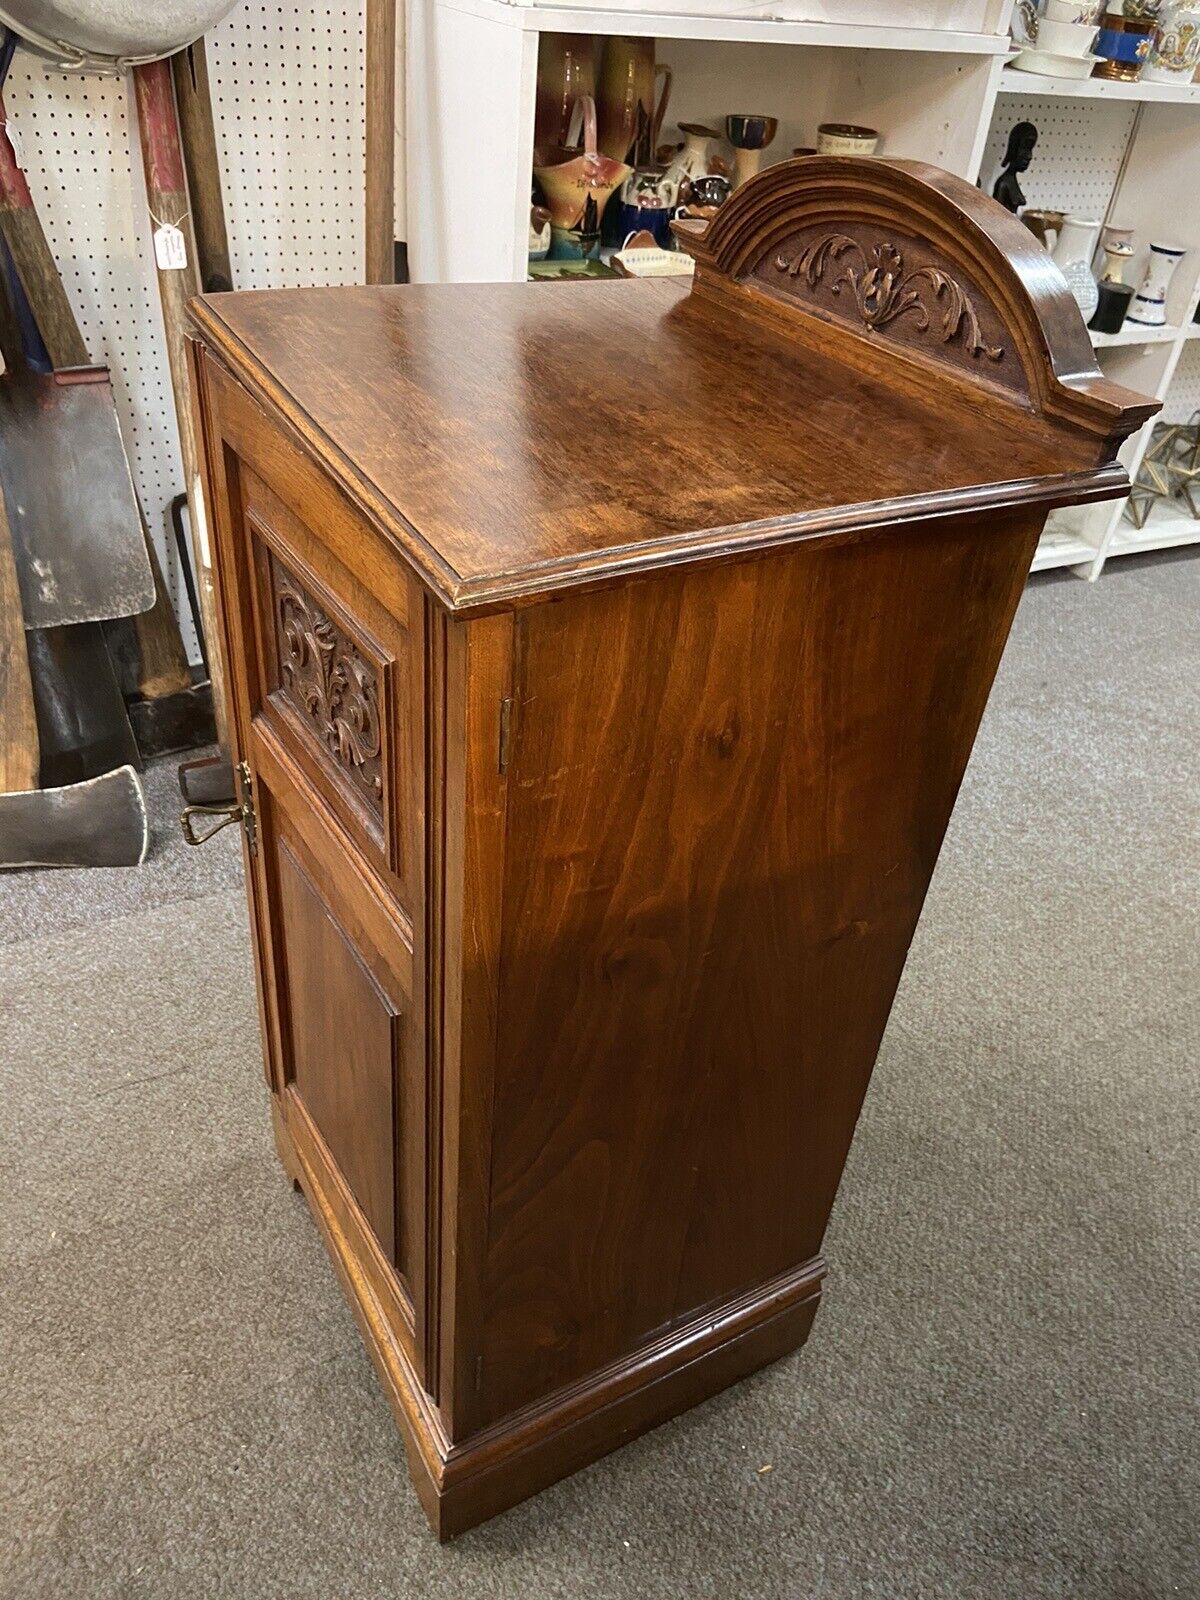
(627,117)
(1150,302)
(689,162)
(1073,252)
(566,70)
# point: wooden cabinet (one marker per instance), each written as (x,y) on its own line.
(605,661)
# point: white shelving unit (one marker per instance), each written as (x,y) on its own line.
(931,77)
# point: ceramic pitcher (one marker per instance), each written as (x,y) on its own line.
(1073,252)
(627,117)
(689,162)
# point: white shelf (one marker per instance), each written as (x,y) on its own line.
(1061,545)
(1015,82)
(1133,333)
(749,28)
(1169,524)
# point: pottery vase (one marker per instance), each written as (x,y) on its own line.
(1117,256)
(1175,49)
(628,119)
(689,162)
(566,72)
(577,181)
(1073,252)
(749,135)
(1150,302)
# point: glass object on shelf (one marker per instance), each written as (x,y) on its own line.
(1150,302)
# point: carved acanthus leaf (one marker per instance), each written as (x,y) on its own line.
(883,291)
(327,679)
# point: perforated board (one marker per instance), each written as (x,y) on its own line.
(1081,144)
(287,86)
(1183,395)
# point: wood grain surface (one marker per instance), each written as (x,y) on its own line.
(19,748)
(678,612)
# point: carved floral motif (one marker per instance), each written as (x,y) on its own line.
(883,291)
(326,678)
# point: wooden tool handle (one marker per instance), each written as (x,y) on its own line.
(19,749)
(33,262)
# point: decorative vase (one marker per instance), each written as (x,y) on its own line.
(749,134)
(1073,252)
(566,71)
(1117,253)
(1175,48)
(1121,46)
(627,117)
(1150,302)
(689,162)
(577,182)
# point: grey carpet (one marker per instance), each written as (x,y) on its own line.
(999,1398)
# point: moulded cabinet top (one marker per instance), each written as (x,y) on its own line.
(513,439)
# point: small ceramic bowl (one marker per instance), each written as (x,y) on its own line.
(1064,38)
(845,139)
(1052,66)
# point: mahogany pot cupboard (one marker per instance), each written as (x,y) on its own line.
(604,662)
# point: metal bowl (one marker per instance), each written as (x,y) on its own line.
(108,35)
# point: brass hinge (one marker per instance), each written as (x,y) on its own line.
(243,812)
(249,819)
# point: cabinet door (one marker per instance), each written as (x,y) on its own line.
(324,669)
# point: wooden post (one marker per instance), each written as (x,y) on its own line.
(19,749)
(381,142)
(198,138)
(168,203)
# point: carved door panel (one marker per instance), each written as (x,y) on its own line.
(325,680)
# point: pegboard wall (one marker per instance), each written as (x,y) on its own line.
(1081,145)
(1183,395)
(287,83)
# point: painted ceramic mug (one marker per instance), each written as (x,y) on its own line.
(1175,49)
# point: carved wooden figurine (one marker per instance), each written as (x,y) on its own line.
(590,807)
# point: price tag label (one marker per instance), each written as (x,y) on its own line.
(170,248)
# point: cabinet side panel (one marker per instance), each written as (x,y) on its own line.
(726,795)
